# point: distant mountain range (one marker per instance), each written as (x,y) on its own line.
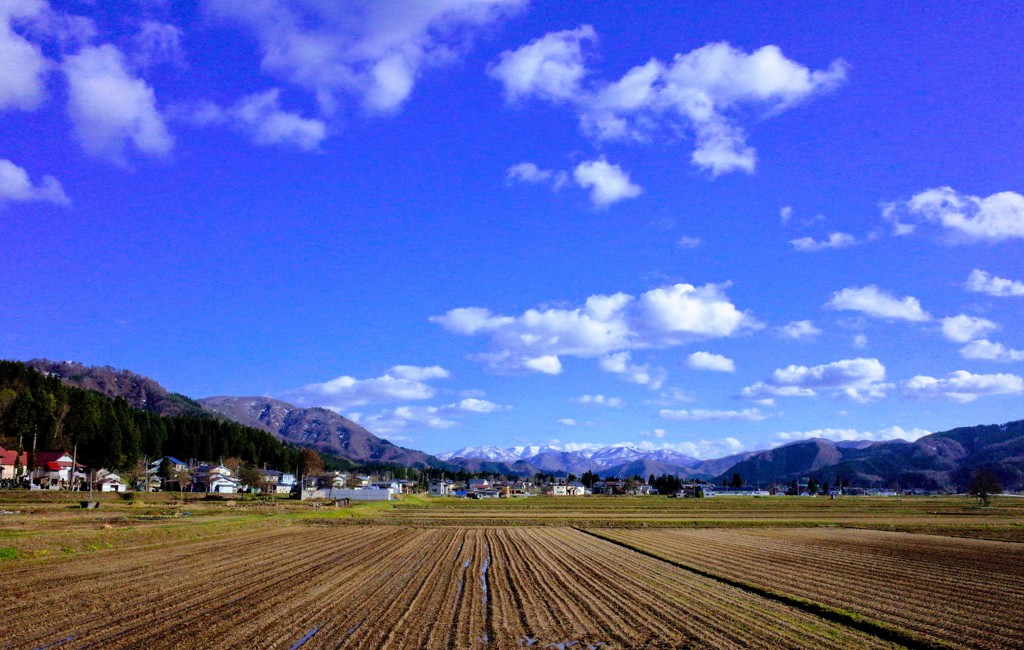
(618,460)
(940,460)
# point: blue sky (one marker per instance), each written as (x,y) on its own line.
(709,227)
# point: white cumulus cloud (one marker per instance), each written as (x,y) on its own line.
(708,361)
(986,350)
(963,217)
(607,182)
(371,51)
(982,282)
(872,301)
(551,67)
(399,383)
(962,386)
(703,92)
(860,380)
(604,324)
(962,328)
(15,185)
(111,108)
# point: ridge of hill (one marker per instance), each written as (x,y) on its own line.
(318,428)
(941,460)
(138,390)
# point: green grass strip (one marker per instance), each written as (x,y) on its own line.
(856,621)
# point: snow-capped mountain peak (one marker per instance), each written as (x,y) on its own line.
(549,456)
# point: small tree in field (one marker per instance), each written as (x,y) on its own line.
(983,485)
(310,463)
(181,476)
(251,477)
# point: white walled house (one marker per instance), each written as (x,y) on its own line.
(109,482)
(440,488)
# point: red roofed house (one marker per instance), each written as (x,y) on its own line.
(53,468)
(11,465)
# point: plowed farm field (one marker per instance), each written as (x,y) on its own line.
(942,591)
(548,573)
(370,587)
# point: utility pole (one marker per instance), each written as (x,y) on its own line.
(74,464)
(32,459)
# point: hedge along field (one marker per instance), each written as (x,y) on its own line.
(370,587)
(942,591)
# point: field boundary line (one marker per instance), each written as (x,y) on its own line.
(859,622)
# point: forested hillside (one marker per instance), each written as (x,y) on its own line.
(140,391)
(111,433)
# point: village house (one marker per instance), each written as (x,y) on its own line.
(439,488)
(214,479)
(575,489)
(696,490)
(12,466)
(519,489)
(53,469)
(107,481)
(609,486)
(154,482)
(276,482)
(269,478)
(286,483)
(556,490)
(174,464)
